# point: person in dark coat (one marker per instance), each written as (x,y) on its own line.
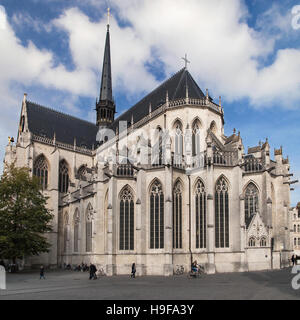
(42,273)
(133,270)
(293,259)
(93,271)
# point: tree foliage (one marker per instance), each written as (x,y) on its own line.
(24,217)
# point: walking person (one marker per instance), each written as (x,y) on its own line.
(42,273)
(93,271)
(133,270)
(293,259)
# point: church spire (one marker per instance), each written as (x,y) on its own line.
(105,106)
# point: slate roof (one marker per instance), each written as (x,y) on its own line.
(176,87)
(106,83)
(254,149)
(45,122)
(232,138)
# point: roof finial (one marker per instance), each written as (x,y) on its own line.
(185,59)
(207,96)
(24,97)
(108,16)
(167,99)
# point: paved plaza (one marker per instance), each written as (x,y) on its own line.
(76,286)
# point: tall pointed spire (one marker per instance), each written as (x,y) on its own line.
(106,83)
(105,106)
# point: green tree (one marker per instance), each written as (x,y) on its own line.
(24,217)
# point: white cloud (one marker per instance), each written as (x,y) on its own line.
(129,52)
(225,52)
(3,21)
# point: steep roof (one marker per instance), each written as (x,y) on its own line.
(176,88)
(45,122)
(254,149)
(232,138)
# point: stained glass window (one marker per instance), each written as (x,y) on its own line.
(63,182)
(40,170)
(196,138)
(222,214)
(200,205)
(177,216)
(76,230)
(126,236)
(251,203)
(156,216)
(88,228)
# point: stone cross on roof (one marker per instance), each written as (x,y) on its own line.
(185,59)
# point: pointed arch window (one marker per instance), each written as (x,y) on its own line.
(251,203)
(160,146)
(252,242)
(222,214)
(156,216)
(177,216)
(63,181)
(178,140)
(263,242)
(200,205)
(89,228)
(40,170)
(196,138)
(126,232)
(66,232)
(76,230)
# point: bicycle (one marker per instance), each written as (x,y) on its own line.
(179,270)
(101,272)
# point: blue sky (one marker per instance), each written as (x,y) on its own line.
(246,51)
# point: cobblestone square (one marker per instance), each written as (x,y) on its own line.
(61,285)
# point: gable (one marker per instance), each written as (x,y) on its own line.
(257,228)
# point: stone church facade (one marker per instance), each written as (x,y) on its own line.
(161,185)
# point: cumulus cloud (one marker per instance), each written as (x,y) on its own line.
(129,52)
(226,53)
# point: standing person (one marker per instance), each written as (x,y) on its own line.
(194,267)
(293,259)
(133,270)
(42,273)
(93,271)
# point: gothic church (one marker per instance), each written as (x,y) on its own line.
(161,185)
